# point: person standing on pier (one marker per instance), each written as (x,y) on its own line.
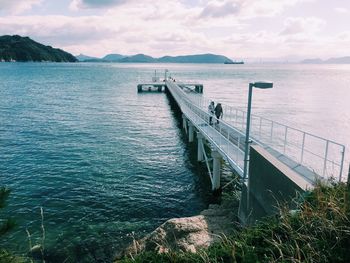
(211,112)
(218,112)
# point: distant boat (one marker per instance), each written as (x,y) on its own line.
(233,62)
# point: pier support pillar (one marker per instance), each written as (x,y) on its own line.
(190,132)
(184,122)
(139,88)
(198,88)
(200,147)
(216,170)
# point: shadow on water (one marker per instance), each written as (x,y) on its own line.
(109,239)
(202,184)
(202,180)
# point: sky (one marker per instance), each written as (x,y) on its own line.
(239,29)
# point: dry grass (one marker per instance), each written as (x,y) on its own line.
(318,231)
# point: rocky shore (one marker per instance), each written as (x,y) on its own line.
(188,234)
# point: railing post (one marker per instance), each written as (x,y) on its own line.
(302,149)
(260,128)
(236,117)
(342,164)
(228,142)
(243,120)
(216,170)
(271,132)
(347,196)
(325,159)
(238,145)
(220,141)
(285,139)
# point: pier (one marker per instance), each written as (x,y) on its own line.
(160,86)
(283,154)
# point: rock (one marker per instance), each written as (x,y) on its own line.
(187,234)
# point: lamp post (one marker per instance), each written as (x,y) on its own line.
(259,85)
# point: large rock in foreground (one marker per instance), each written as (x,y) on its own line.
(187,234)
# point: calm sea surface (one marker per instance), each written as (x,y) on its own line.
(103,161)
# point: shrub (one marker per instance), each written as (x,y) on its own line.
(318,231)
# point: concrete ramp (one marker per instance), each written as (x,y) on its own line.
(270,182)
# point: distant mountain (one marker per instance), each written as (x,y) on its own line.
(201,58)
(340,60)
(83,57)
(142,58)
(312,61)
(23,49)
(113,57)
(139,58)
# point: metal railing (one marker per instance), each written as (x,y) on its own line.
(323,157)
(225,138)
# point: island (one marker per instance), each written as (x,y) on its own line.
(336,60)
(23,49)
(142,58)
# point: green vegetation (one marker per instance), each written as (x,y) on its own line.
(5,226)
(142,58)
(22,49)
(318,231)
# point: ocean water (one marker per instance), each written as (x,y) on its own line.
(106,163)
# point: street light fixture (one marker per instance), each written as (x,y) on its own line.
(259,85)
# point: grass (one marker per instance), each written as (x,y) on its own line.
(318,231)
(6,225)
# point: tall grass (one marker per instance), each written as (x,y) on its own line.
(6,225)
(318,231)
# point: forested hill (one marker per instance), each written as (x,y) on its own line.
(142,58)
(23,49)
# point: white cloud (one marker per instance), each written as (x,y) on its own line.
(158,28)
(342,10)
(301,25)
(221,8)
(247,9)
(17,6)
(268,8)
(91,4)
(344,36)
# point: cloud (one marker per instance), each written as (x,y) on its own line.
(173,27)
(301,25)
(221,8)
(246,9)
(344,36)
(269,8)
(17,6)
(61,30)
(342,10)
(91,4)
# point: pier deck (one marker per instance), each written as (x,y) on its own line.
(160,86)
(227,139)
(282,160)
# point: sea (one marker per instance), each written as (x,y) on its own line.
(92,164)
